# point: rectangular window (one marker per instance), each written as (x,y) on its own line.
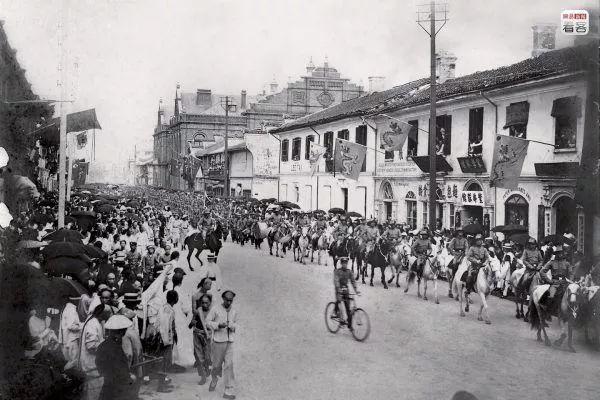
(344,134)
(285,148)
(443,142)
(309,139)
(411,213)
(345,197)
(425,213)
(475,131)
(517,116)
(361,138)
(451,215)
(565,111)
(328,142)
(413,139)
(296,145)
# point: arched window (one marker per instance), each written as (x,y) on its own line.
(411,210)
(516,210)
(388,193)
(474,187)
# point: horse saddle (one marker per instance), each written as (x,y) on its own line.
(553,304)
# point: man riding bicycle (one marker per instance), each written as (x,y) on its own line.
(341,276)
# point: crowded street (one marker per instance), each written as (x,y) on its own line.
(416,350)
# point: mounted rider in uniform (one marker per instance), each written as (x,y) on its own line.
(478,256)
(422,249)
(392,234)
(457,247)
(561,270)
(532,259)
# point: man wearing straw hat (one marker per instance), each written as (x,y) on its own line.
(112,362)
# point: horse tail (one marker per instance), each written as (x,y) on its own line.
(411,276)
(534,317)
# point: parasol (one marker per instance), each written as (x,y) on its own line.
(337,210)
(520,238)
(558,239)
(509,229)
(41,219)
(269,200)
(354,214)
(62,289)
(94,252)
(64,235)
(64,249)
(473,229)
(104,208)
(65,266)
(319,212)
(83,214)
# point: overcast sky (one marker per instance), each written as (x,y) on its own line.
(126,54)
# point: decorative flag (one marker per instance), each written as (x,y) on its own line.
(79,172)
(394,134)
(316,152)
(348,158)
(509,155)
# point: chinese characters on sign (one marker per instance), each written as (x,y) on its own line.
(472,198)
(575,22)
(265,154)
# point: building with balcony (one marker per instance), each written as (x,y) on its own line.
(541,99)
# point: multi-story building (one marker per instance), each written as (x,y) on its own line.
(320,88)
(541,99)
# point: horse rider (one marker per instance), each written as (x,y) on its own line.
(533,260)
(392,234)
(561,270)
(477,256)
(422,249)
(341,230)
(457,248)
(320,224)
(206,223)
(371,234)
(341,277)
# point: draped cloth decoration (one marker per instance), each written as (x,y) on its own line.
(509,155)
(349,158)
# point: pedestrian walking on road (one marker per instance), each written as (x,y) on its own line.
(222,319)
(202,335)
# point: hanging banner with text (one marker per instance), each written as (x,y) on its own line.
(509,155)
(265,153)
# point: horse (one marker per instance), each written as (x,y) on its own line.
(356,252)
(377,258)
(260,231)
(280,237)
(195,242)
(301,245)
(485,281)
(398,258)
(523,288)
(338,249)
(320,243)
(568,310)
(429,272)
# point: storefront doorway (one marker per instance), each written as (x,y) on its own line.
(388,210)
(473,204)
(387,195)
(565,215)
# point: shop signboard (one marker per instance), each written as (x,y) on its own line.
(265,153)
(397,168)
(472,198)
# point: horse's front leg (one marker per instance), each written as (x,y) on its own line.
(450,280)
(372,274)
(460,295)
(419,288)
(385,286)
(570,336)
(435,291)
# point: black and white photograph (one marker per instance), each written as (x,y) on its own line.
(299,199)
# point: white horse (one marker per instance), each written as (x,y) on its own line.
(398,258)
(430,272)
(302,245)
(485,282)
(319,244)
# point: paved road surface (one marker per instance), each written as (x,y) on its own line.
(416,350)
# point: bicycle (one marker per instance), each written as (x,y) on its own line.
(361,325)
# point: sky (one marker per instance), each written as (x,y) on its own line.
(124,55)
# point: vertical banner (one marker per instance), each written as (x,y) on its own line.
(79,172)
(348,158)
(509,155)
(394,134)
(316,152)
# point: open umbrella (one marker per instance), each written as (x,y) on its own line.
(93,251)
(104,209)
(64,235)
(41,219)
(319,212)
(473,229)
(520,238)
(558,239)
(62,289)
(354,214)
(78,214)
(134,204)
(269,200)
(337,210)
(65,266)
(273,207)
(63,249)
(509,229)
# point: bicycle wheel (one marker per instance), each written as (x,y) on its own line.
(332,323)
(361,325)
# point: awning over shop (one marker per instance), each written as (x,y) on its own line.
(441,165)
(472,165)
(567,107)
(517,114)
(560,169)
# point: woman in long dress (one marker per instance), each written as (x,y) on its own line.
(183,351)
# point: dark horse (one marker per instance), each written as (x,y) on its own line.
(356,253)
(195,242)
(377,258)
(339,248)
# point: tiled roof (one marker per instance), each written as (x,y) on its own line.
(352,107)
(570,59)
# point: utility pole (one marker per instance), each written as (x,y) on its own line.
(431,16)
(227,105)
(63,115)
